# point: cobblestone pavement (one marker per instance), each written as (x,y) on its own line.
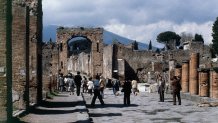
(64,108)
(145,108)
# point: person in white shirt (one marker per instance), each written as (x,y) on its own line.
(90,85)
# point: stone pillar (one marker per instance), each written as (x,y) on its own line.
(5,61)
(193,78)
(213,83)
(20,57)
(121,69)
(203,83)
(185,77)
(3,89)
(171,70)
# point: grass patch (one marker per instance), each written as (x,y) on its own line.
(50,95)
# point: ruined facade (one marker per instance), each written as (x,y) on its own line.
(95,35)
(24,22)
(50,66)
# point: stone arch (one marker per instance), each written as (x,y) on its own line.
(95,35)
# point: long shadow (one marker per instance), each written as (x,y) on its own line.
(111,105)
(102,115)
(51,112)
(48,104)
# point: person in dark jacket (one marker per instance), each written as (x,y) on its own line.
(78,80)
(176,88)
(97,91)
(161,88)
(127,86)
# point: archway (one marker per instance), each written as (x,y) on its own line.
(79,52)
(95,35)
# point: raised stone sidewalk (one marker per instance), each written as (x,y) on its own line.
(63,108)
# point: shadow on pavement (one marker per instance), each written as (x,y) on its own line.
(111,105)
(47,111)
(102,115)
(48,104)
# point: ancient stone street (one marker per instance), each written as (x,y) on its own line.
(144,108)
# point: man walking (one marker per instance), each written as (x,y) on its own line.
(97,92)
(78,80)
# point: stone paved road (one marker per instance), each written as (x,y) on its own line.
(64,108)
(145,108)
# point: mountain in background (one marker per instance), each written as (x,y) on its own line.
(108,37)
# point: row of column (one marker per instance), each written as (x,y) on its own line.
(196,81)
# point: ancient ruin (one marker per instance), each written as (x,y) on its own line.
(35,65)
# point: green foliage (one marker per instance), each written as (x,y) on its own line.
(135,45)
(198,38)
(167,37)
(215,36)
(150,46)
(157,50)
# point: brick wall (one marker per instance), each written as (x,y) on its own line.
(3,91)
(19,57)
(95,35)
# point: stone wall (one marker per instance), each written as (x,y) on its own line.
(95,35)
(135,60)
(107,61)
(19,56)
(80,62)
(3,87)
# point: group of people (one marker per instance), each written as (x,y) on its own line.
(98,84)
(69,82)
(175,87)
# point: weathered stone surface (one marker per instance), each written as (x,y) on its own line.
(92,34)
(3,87)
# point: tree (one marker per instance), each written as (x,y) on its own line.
(157,50)
(169,37)
(135,45)
(198,38)
(215,36)
(150,46)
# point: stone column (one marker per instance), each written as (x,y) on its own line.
(185,77)
(203,83)
(5,61)
(20,57)
(193,78)
(213,83)
(171,70)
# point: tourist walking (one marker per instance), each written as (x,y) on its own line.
(71,84)
(134,87)
(90,86)
(84,82)
(161,88)
(97,92)
(61,82)
(102,86)
(127,91)
(115,83)
(78,80)
(176,88)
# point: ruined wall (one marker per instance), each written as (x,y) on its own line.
(3,87)
(80,62)
(134,60)
(95,35)
(35,39)
(20,61)
(107,61)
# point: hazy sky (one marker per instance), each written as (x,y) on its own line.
(140,20)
